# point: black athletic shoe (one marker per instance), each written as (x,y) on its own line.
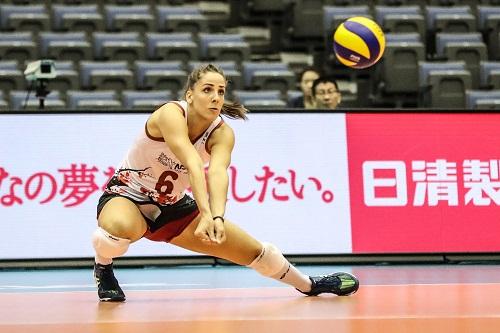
(108,288)
(341,284)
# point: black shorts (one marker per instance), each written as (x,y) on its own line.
(170,222)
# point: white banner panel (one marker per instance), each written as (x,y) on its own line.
(289,182)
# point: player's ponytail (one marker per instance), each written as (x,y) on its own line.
(234,110)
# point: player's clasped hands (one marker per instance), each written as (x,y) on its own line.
(210,231)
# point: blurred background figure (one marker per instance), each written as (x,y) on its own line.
(307,77)
(326,93)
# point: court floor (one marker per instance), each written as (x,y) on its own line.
(392,298)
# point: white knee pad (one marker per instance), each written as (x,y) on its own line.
(270,262)
(107,245)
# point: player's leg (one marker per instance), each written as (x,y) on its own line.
(241,248)
(122,218)
(120,223)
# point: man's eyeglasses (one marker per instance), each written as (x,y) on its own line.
(327,92)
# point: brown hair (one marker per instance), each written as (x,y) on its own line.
(230,109)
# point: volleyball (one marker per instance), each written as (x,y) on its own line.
(358,42)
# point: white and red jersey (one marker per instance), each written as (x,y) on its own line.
(151,171)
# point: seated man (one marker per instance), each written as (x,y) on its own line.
(326,93)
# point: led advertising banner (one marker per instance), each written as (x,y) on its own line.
(311,183)
(288,182)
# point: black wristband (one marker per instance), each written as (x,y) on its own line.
(219,217)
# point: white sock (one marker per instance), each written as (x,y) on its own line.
(292,276)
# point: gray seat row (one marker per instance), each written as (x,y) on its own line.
(128,99)
(110,17)
(128,46)
(149,75)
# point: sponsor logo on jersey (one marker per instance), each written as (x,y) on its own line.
(171,164)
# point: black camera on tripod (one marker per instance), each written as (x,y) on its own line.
(39,73)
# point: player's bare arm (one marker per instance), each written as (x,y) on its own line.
(220,145)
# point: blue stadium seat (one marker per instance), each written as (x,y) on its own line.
(402,37)
(489,25)
(104,75)
(303,13)
(11,77)
(181,19)
(171,46)
(396,3)
(443,40)
(104,99)
(19,46)
(489,74)
(443,84)
(260,99)
(268,76)
(160,75)
(426,67)
(134,18)
(52,101)
(401,19)
(399,65)
(77,18)
(450,19)
(126,46)
(468,47)
(24,18)
(137,99)
(217,13)
(482,99)
(222,46)
(452,3)
(73,46)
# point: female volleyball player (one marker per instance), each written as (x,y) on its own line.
(146,197)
